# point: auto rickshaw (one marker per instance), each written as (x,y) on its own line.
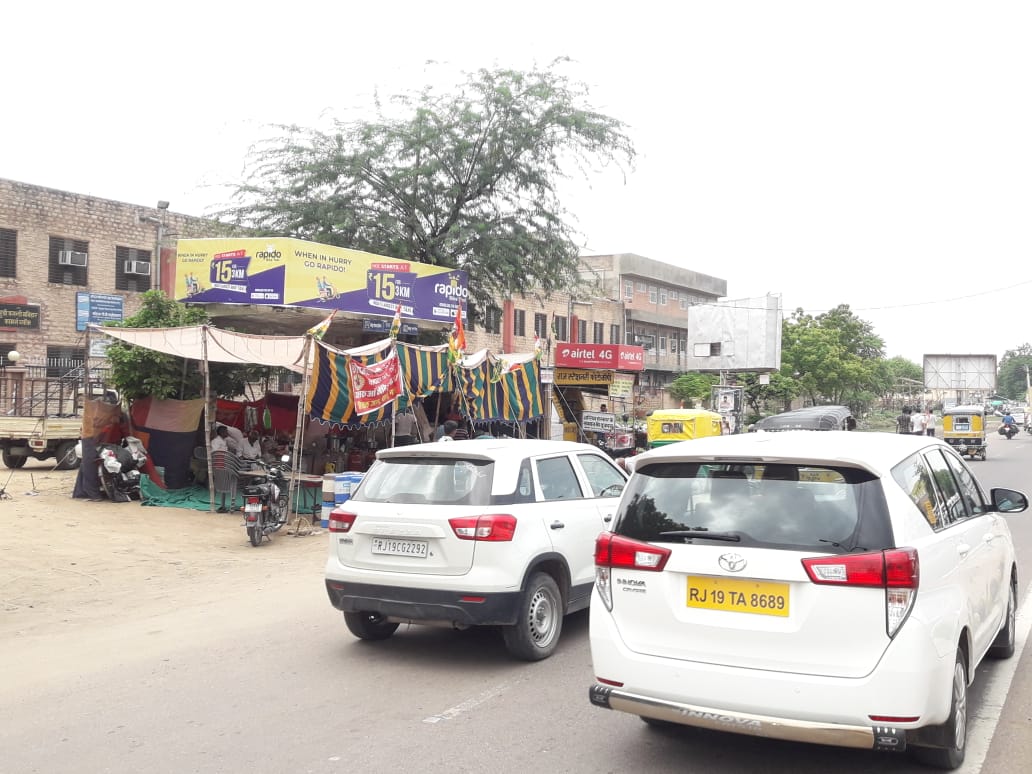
(672,425)
(963,428)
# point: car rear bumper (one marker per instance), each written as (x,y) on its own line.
(839,735)
(427,606)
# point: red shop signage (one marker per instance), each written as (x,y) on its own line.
(623,357)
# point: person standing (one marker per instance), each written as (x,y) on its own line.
(929,423)
(917,423)
(404,424)
(903,422)
(220,441)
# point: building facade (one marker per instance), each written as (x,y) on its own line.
(633,300)
(66,258)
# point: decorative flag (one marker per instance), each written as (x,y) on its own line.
(537,347)
(396,323)
(319,330)
(457,339)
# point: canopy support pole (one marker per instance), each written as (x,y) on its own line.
(207,418)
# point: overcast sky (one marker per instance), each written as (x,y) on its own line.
(876,154)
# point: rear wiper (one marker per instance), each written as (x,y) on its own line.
(702,532)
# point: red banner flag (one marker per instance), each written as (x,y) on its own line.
(374,386)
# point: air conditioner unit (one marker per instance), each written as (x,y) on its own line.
(138,267)
(72,258)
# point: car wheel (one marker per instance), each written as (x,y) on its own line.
(13,462)
(539,620)
(66,459)
(1003,645)
(955,727)
(369,626)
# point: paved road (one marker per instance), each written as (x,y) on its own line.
(265,678)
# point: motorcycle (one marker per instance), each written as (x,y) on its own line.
(1009,431)
(265,499)
(118,468)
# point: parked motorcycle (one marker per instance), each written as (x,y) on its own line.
(265,499)
(118,468)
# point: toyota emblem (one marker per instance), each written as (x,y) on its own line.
(731,562)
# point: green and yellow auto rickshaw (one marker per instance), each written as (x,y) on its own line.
(963,428)
(672,425)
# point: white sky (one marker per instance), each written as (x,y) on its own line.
(873,153)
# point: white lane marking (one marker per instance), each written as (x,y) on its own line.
(469,704)
(983,720)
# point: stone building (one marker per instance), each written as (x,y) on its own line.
(66,258)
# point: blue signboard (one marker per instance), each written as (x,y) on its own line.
(384,326)
(97,308)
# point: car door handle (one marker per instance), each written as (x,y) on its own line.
(607,518)
(988,537)
(963,549)
(557,525)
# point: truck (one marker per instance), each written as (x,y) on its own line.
(41,416)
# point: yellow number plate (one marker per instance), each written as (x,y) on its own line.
(738,596)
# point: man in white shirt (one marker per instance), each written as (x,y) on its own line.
(404,424)
(917,423)
(220,442)
(251,448)
(234,437)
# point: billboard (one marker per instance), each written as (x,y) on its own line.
(622,356)
(280,271)
(740,335)
(961,377)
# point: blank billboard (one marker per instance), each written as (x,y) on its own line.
(738,335)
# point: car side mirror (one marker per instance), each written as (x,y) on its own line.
(1008,500)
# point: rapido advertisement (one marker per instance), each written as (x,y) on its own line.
(292,272)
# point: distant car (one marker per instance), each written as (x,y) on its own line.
(466,533)
(835,588)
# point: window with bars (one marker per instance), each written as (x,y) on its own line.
(663,296)
(493,320)
(628,290)
(541,325)
(61,360)
(614,334)
(130,265)
(641,287)
(5,349)
(519,322)
(599,331)
(60,273)
(561,328)
(8,252)
(582,331)
(653,295)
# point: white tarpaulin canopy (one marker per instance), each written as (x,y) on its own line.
(202,342)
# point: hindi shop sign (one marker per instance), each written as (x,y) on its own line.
(579,377)
(376,385)
(19,316)
(624,357)
(598,422)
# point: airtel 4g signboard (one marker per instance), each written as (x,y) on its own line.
(622,357)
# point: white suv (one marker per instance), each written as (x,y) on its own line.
(837,588)
(475,532)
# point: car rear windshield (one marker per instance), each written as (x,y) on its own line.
(808,507)
(432,480)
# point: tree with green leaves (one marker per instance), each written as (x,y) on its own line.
(690,387)
(779,391)
(834,357)
(466,179)
(137,372)
(1014,373)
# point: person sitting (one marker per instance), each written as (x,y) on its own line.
(449,430)
(251,449)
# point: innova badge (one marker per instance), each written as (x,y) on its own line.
(731,562)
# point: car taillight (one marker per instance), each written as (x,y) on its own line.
(341,521)
(616,551)
(896,570)
(492,527)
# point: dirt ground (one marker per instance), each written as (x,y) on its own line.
(72,566)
